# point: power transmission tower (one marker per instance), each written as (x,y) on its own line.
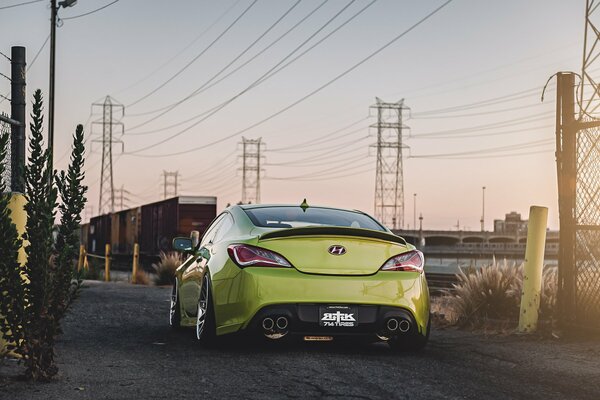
(111,110)
(251,170)
(122,197)
(170,183)
(389,179)
(589,95)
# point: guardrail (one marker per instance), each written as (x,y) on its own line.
(83,262)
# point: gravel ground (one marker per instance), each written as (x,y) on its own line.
(117,345)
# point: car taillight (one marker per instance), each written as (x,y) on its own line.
(409,261)
(249,256)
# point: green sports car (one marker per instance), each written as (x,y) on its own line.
(312,272)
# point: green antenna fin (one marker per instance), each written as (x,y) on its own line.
(304,205)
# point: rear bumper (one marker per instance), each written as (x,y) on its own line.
(242,300)
(304,320)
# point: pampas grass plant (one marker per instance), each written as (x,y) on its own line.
(165,268)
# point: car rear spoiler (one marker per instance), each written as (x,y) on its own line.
(334,231)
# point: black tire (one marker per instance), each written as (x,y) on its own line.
(206,334)
(411,342)
(175,309)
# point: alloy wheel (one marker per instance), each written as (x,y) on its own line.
(202,307)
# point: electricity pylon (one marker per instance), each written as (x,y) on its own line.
(389,179)
(111,110)
(251,170)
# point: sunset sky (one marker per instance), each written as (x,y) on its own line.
(485,61)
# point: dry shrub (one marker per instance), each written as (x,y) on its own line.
(486,294)
(493,294)
(165,269)
(548,294)
(142,278)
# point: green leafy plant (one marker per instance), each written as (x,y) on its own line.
(52,280)
(12,284)
(165,268)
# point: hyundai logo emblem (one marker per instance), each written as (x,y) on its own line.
(337,250)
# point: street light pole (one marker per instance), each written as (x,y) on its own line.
(483,209)
(53,12)
(415,211)
(51,90)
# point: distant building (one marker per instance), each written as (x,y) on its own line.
(511,224)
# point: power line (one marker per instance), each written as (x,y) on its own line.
(289,10)
(20,4)
(91,12)
(330,82)
(198,91)
(190,44)
(196,57)
(267,75)
(519,146)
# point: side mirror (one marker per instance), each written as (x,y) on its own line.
(182,244)
(195,237)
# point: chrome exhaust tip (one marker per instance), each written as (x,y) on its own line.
(282,323)
(404,326)
(392,324)
(268,324)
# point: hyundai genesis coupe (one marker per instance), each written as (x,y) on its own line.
(315,273)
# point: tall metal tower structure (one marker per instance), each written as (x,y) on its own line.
(389,179)
(251,170)
(170,183)
(111,112)
(589,89)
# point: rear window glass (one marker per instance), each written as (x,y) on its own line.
(296,217)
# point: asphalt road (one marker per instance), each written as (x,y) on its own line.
(117,345)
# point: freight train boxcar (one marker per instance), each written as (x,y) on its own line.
(98,234)
(178,216)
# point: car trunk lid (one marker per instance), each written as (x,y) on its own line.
(334,250)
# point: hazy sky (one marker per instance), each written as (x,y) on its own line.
(492,57)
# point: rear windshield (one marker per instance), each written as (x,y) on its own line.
(296,217)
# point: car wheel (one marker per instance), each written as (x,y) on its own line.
(205,317)
(412,341)
(175,309)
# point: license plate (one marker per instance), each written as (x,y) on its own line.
(338,316)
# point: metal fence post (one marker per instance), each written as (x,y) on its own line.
(18,101)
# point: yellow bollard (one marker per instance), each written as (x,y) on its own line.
(532,270)
(86,264)
(107,263)
(81,256)
(136,260)
(19,218)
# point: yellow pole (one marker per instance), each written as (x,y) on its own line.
(136,260)
(81,255)
(19,218)
(107,263)
(532,270)
(86,265)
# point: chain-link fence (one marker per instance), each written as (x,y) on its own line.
(587,227)
(5,128)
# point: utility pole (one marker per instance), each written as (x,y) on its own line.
(389,179)
(18,101)
(251,170)
(170,183)
(566,161)
(110,111)
(415,211)
(51,90)
(483,209)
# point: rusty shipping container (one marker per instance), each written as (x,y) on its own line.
(178,216)
(125,228)
(99,233)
